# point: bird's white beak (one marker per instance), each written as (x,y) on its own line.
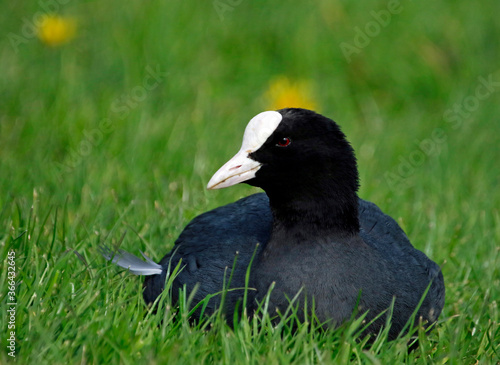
(238,169)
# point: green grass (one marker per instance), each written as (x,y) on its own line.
(145,173)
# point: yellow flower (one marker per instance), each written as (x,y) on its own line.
(55,30)
(283,93)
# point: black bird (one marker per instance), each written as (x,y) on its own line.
(315,235)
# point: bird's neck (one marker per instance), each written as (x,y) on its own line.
(314,211)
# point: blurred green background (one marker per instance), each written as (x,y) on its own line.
(114,119)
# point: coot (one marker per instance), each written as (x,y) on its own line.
(314,234)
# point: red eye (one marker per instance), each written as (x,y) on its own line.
(283,142)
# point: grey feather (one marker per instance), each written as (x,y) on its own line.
(131,262)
